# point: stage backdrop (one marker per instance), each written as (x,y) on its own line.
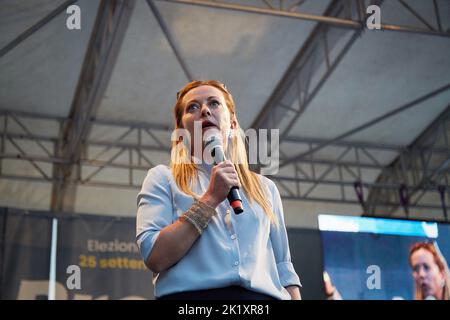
(97,258)
(25,255)
(105,251)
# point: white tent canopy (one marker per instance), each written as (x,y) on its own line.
(251,47)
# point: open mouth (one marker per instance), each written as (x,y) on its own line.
(425,288)
(208,124)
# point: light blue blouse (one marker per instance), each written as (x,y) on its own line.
(245,249)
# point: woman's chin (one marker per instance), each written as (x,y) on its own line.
(426,291)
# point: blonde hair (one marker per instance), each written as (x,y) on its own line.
(440,262)
(185,171)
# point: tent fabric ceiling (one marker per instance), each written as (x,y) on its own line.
(381,72)
(17,16)
(249,52)
(41,73)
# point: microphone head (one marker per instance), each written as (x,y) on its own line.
(214,144)
(213,140)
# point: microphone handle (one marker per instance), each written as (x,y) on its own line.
(235,200)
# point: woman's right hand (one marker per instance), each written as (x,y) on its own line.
(223,177)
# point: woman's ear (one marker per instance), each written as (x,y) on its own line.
(442,279)
(233,122)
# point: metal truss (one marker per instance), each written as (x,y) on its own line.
(76,157)
(368,124)
(18,138)
(300,84)
(353,17)
(131,152)
(306,74)
(173,44)
(107,35)
(433,176)
(403,183)
(316,61)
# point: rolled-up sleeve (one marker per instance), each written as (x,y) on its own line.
(280,243)
(154,208)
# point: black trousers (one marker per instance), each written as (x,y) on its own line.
(227,293)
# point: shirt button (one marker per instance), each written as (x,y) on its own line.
(233,237)
(236,263)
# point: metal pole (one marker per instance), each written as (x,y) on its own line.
(171,40)
(24,35)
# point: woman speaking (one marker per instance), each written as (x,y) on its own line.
(430,272)
(187,231)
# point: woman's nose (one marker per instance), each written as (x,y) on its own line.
(205,110)
(422,273)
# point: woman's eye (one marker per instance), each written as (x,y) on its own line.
(192,107)
(215,103)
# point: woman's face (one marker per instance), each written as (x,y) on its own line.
(426,273)
(206,104)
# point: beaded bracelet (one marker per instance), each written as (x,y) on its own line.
(199,215)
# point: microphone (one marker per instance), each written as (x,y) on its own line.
(234,198)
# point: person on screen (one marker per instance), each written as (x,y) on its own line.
(186,230)
(430,272)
